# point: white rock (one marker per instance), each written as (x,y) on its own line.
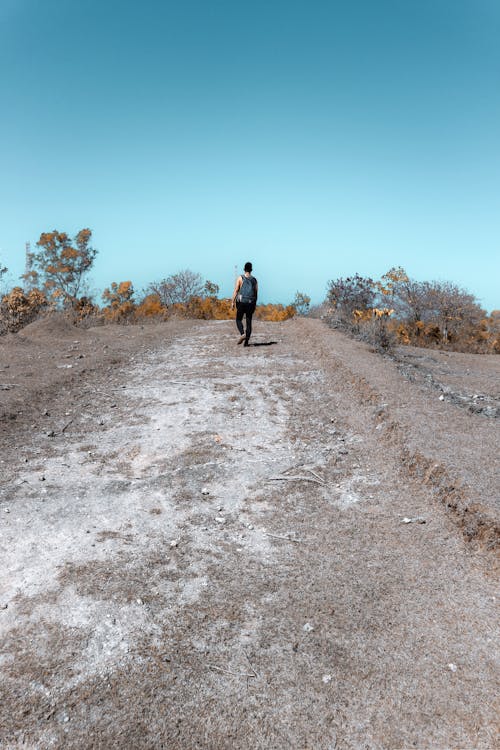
(452,667)
(441,398)
(220,519)
(326,678)
(308,628)
(205,491)
(174,543)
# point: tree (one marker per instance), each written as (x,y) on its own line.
(211,290)
(120,300)
(353,293)
(62,263)
(180,288)
(301,303)
(453,309)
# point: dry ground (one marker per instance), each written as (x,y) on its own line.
(203,546)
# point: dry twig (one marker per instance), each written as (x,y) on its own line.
(67,424)
(228,671)
(251,665)
(298,478)
(316,475)
(285,538)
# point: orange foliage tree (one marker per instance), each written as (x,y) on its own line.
(120,303)
(61,264)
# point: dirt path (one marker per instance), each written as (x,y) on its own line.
(212,554)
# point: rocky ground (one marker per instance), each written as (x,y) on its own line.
(292,545)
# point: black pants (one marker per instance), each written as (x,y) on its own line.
(247,309)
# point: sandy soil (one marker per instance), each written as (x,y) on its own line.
(205,546)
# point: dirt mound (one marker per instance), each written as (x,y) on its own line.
(53,325)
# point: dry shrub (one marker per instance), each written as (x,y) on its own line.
(151,307)
(274,313)
(85,313)
(379,333)
(18,308)
(436,314)
(481,338)
(208,308)
(120,301)
(205,308)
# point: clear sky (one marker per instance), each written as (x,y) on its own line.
(317,139)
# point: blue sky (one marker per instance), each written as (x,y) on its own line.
(317,139)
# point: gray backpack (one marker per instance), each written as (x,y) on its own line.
(247,290)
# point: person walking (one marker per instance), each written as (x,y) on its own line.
(245,298)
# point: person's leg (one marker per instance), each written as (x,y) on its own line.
(239,322)
(248,332)
(239,318)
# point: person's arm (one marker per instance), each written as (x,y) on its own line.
(256,291)
(239,282)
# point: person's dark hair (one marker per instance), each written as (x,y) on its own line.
(248,267)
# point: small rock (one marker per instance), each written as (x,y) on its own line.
(441,398)
(205,491)
(250,526)
(174,543)
(7,510)
(308,628)
(139,601)
(4,606)
(42,479)
(326,678)
(220,519)
(452,667)
(417,519)
(51,433)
